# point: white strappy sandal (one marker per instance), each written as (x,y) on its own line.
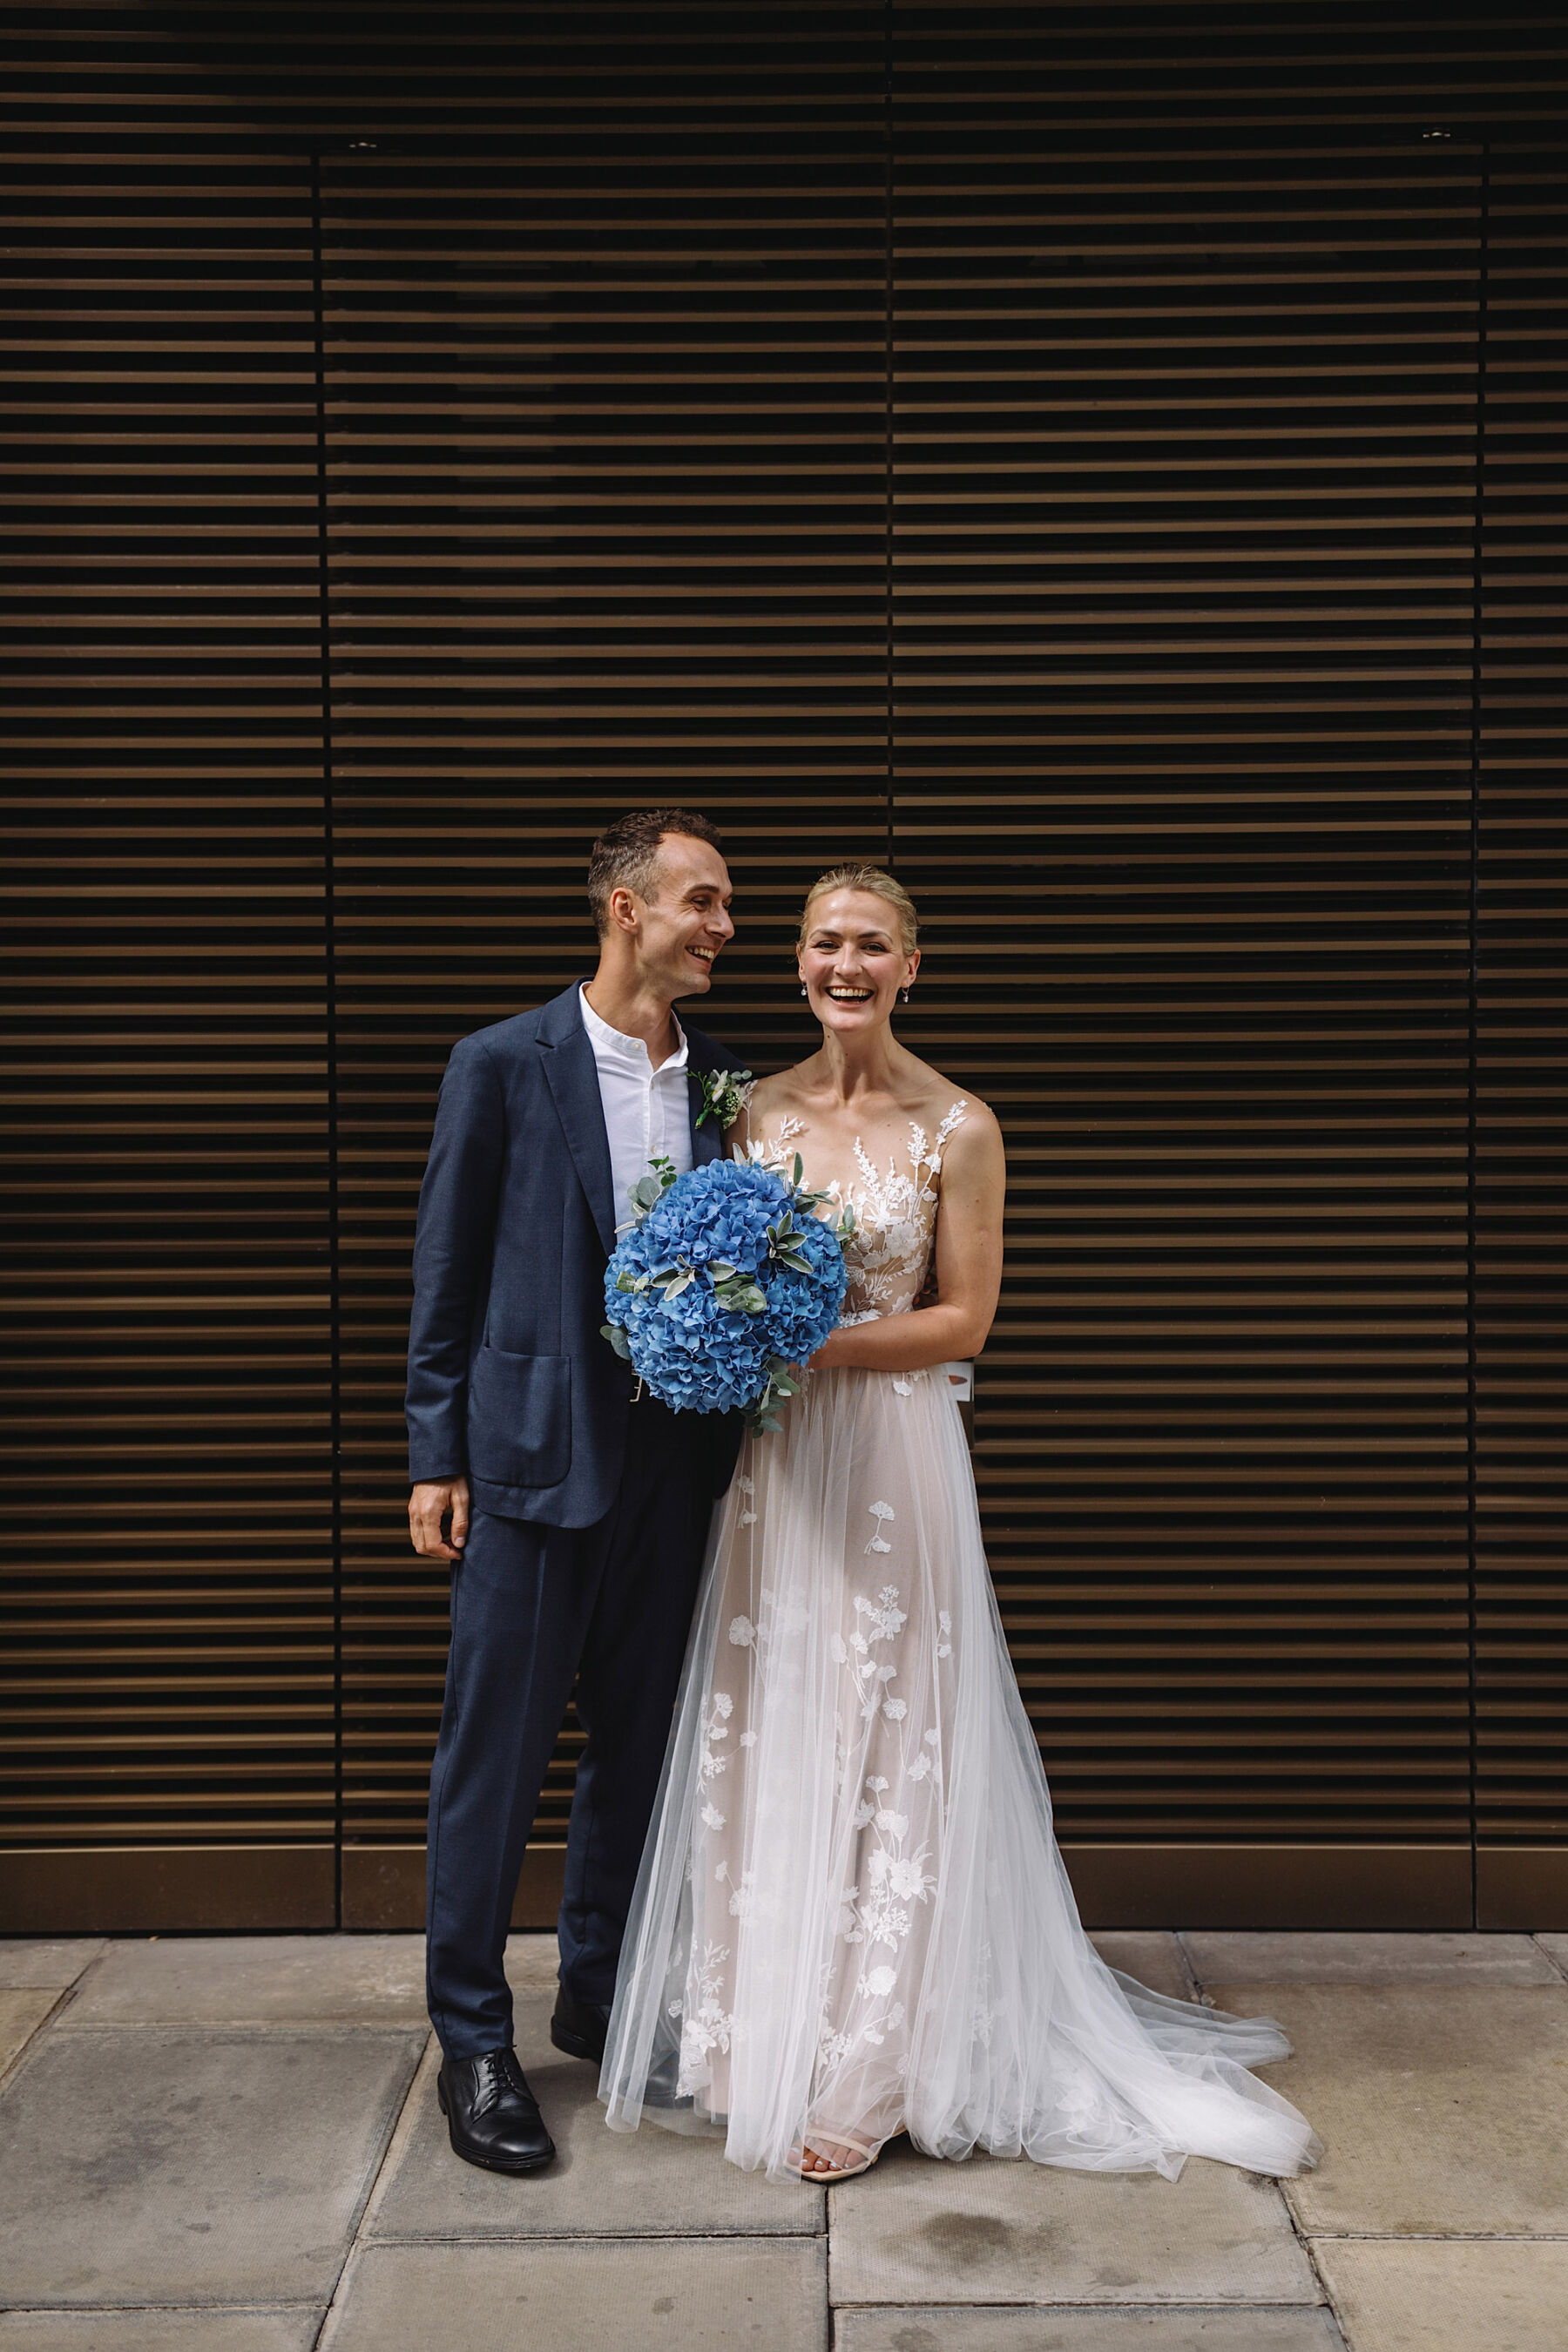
(866,2151)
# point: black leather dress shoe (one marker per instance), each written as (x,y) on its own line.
(579,2027)
(491,2114)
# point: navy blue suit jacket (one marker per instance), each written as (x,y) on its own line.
(508,1377)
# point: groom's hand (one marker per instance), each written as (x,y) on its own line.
(427,1506)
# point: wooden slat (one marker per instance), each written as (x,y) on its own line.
(168,1557)
(1183,693)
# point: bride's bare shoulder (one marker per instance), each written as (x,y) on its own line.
(941,1096)
(768,1102)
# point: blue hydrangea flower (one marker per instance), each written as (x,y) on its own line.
(727,1280)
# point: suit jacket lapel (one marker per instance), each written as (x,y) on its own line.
(573,1079)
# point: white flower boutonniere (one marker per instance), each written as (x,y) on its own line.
(723,1094)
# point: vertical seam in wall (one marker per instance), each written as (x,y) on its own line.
(887,408)
(1483,258)
(330,956)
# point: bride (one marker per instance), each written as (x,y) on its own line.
(852,1919)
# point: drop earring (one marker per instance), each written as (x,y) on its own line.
(803,990)
(905,996)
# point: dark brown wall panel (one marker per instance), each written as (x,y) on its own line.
(605,463)
(1184,509)
(1521,1058)
(167,1535)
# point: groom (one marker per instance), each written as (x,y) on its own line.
(574,1519)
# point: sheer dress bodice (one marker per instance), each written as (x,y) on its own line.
(888,1255)
(852,1916)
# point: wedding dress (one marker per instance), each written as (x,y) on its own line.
(852,1916)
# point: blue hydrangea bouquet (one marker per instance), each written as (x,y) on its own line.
(726,1280)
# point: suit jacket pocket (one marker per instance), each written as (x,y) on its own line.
(519,1418)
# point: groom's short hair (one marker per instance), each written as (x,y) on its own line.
(626,854)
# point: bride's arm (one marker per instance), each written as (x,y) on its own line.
(968,1267)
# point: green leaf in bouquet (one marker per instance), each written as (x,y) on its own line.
(683,1281)
(618,1340)
(646,1194)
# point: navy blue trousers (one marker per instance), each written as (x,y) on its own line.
(534,1608)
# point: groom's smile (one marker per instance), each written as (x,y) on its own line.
(686,922)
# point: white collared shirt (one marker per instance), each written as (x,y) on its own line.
(648,1112)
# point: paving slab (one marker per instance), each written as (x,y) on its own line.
(140,2164)
(696,2297)
(1556,1950)
(43,1961)
(1370,1960)
(935,2329)
(647,2183)
(21,2014)
(256,1980)
(1152,1956)
(918,2231)
(533,1963)
(1484,2295)
(224,2330)
(1442,2107)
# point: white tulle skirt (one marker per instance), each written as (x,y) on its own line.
(852,1916)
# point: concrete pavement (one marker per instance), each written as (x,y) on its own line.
(234,2143)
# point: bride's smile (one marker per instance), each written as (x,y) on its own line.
(853,964)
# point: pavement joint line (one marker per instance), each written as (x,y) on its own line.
(109,2310)
(623,2237)
(1189,1967)
(1308,2253)
(1551,1958)
(1443,2237)
(763,2237)
(243,2028)
(332,2317)
(19,2056)
(1290,2310)
(401,2129)
(373,2182)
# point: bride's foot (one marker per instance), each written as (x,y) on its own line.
(836,2159)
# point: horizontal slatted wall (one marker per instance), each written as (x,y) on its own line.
(1184,480)
(1521,1097)
(1099,384)
(606,411)
(168,1754)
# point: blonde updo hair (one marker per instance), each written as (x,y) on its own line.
(879,883)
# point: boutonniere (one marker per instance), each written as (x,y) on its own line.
(723,1092)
